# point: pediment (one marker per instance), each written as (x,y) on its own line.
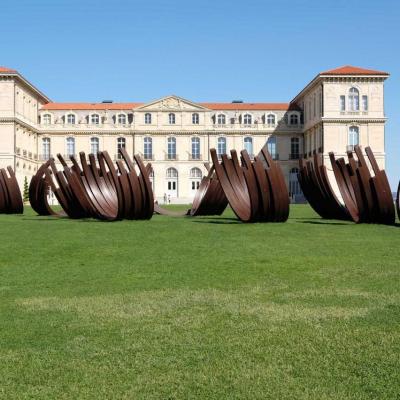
(172,103)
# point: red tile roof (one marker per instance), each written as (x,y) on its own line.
(90,106)
(350,70)
(130,106)
(5,69)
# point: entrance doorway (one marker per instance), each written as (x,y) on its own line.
(172,183)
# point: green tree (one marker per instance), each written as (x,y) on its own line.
(26,189)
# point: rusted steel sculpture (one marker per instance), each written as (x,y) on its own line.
(95,189)
(366,198)
(10,194)
(256,191)
(314,183)
(398,201)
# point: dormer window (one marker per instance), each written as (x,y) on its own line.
(71,119)
(221,119)
(46,119)
(247,119)
(121,119)
(354,99)
(294,119)
(271,119)
(171,118)
(95,119)
(147,118)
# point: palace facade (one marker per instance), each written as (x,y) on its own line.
(338,109)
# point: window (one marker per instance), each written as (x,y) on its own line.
(353,137)
(294,186)
(365,103)
(342,103)
(247,119)
(248,145)
(147,118)
(221,148)
(71,119)
(195,119)
(294,148)
(195,148)
(271,146)
(121,144)
(221,119)
(94,145)
(171,148)
(294,119)
(195,176)
(354,99)
(121,119)
(95,119)
(46,119)
(46,148)
(171,118)
(271,119)
(70,146)
(172,173)
(148,148)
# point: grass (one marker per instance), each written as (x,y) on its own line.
(205,308)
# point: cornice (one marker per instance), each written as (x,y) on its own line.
(354,119)
(18,121)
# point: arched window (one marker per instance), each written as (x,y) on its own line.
(271,119)
(195,119)
(94,145)
(354,137)
(221,148)
(46,148)
(195,155)
(247,119)
(148,148)
(171,144)
(70,146)
(121,119)
(147,118)
(46,119)
(171,118)
(248,145)
(221,119)
(271,146)
(172,173)
(354,99)
(95,119)
(195,173)
(294,119)
(195,178)
(294,186)
(71,119)
(121,144)
(294,148)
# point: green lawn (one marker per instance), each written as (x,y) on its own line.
(205,308)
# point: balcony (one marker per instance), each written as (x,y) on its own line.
(195,157)
(45,157)
(350,147)
(171,157)
(275,156)
(294,156)
(148,157)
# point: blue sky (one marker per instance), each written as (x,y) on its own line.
(202,50)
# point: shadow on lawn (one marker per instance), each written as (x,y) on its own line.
(325,222)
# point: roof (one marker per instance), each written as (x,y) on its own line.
(350,70)
(130,106)
(5,69)
(90,106)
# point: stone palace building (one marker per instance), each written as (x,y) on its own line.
(338,109)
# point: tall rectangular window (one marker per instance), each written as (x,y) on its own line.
(365,103)
(195,148)
(148,148)
(46,148)
(342,103)
(171,148)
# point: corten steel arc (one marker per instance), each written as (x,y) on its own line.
(10,194)
(315,185)
(96,188)
(256,191)
(366,198)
